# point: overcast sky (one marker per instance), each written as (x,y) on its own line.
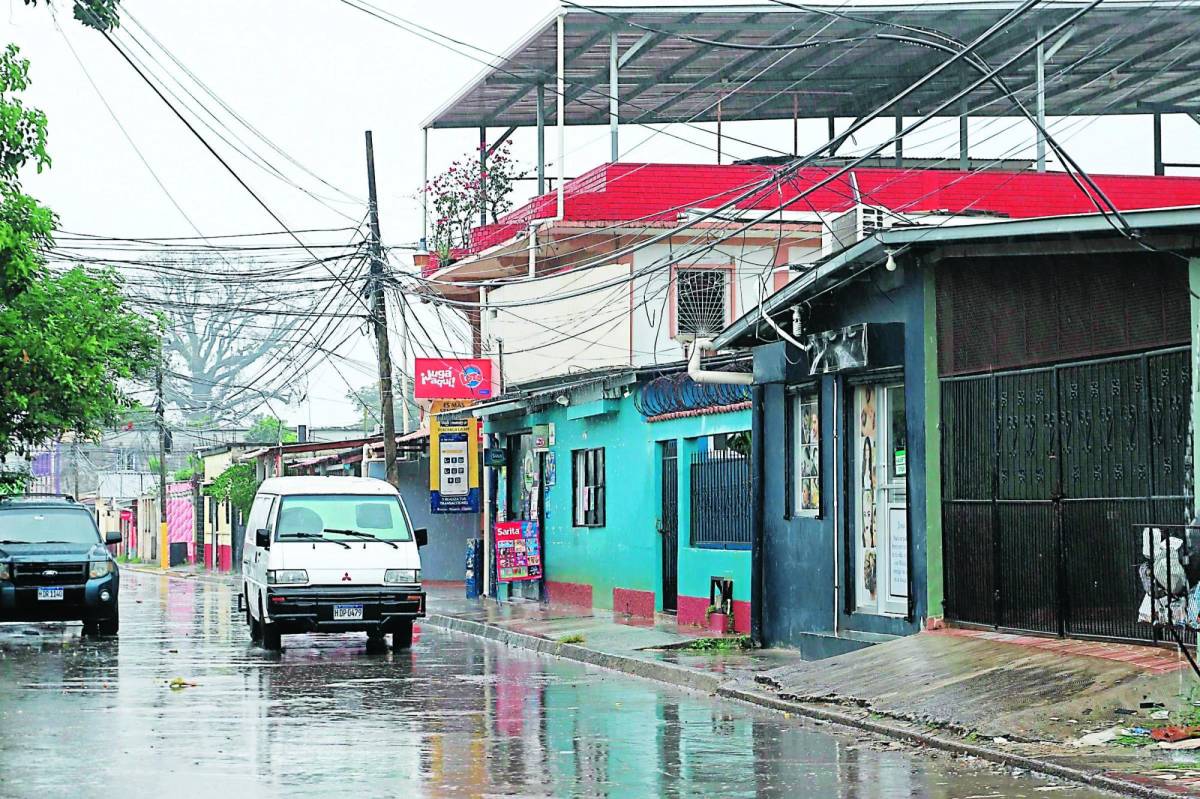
(313,75)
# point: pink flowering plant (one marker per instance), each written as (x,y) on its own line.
(457,195)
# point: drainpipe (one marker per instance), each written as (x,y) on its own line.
(757,473)
(720,378)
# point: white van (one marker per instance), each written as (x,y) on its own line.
(331,554)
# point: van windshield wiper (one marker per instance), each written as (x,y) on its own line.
(362,534)
(313,537)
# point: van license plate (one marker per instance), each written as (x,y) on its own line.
(347,612)
(50,594)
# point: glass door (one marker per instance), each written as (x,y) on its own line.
(881,500)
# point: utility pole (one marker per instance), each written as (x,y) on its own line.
(379,318)
(164,553)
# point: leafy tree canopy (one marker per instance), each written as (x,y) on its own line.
(99,14)
(236,485)
(268,429)
(67,344)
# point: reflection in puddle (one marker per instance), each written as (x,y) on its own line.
(454,717)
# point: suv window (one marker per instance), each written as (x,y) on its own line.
(35,525)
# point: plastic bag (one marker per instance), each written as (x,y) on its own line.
(1163,553)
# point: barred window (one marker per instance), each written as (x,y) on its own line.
(587,477)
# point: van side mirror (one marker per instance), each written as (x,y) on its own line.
(262,538)
(111,538)
(422,536)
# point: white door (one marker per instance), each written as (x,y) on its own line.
(881,500)
(254,560)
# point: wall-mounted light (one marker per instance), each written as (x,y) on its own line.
(890,265)
(563,400)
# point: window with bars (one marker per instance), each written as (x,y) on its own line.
(701,301)
(587,478)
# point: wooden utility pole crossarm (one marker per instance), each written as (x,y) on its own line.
(379,318)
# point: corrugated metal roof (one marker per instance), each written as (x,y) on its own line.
(1117,54)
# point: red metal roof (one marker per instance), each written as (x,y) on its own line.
(660,192)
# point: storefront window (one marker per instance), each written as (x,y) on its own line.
(898,452)
(806,454)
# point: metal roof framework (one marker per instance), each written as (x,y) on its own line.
(1123,57)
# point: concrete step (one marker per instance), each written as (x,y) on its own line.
(818,646)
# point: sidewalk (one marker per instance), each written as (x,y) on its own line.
(1015,700)
(190,571)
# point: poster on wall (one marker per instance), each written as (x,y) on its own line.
(898,551)
(453,461)
(867,437)
(518,552)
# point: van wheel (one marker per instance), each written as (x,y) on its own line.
(376,641)
(272,641)
(402,636)
(255,629)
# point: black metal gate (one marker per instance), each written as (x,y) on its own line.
(1045,473)
(668,526)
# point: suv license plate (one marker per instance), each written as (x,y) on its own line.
(347,612)
(50,594)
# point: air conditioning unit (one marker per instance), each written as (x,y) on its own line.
(850,227)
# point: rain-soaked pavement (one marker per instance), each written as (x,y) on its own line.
(456,716)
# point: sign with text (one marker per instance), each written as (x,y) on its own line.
(453,461)
(518,552)
(452,378)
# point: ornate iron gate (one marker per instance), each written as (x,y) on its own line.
(669,526)
(1045,473)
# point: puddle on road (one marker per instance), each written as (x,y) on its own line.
(455,717)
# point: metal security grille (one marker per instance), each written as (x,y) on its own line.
(1045,474)
(995,314)
(721,500)
(669,526)
(701,301)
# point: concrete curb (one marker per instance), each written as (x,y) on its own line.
(683,677)
(668,673)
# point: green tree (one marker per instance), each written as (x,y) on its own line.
(236,485)
(68,345)
(98,14)
(69,342)
(268,430)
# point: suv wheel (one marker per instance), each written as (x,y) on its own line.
(109,626)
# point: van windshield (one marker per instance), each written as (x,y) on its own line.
(370,516)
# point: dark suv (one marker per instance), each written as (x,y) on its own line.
(54,565)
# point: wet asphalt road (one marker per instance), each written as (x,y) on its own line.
(454,717)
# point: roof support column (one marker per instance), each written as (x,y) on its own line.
(1041,104)
(1159,167)
(614,87)
(899,139)
(795,125)
(424,188)
(832,135)
(562,115)
(541,139)
(964,160)
(483,176)
(719,99)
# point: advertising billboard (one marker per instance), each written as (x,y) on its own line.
(452,378)
(453,461)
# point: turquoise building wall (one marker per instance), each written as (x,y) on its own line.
(619,566)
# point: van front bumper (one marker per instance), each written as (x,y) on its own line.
(306,609)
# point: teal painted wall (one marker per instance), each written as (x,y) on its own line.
(625,553)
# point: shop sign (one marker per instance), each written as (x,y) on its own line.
(541,437)
(837,350)
(453,461)
(452,378)
(495,457)
(518,552)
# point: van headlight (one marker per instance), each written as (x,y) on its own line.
(287,576)
(101,568)
(402,576)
